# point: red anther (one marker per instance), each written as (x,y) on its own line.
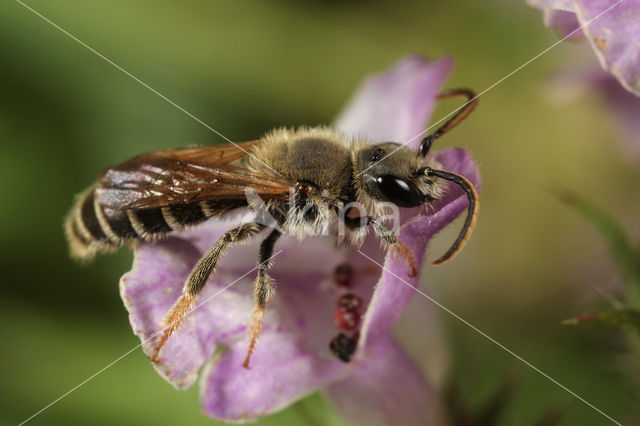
(342,275)
(346,319)
(349,302)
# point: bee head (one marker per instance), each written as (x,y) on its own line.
(390,172)
(399,178)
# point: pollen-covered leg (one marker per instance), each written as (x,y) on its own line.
(263,291)
(197,279)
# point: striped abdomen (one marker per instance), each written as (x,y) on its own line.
(92,228)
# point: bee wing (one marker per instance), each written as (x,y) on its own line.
(185,176)
(211,156)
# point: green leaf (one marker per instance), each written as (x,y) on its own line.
(626,256)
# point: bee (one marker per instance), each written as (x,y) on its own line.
(306,180)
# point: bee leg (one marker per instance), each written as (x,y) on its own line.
(263,291)
(388,235)
(382,231)
(197,279)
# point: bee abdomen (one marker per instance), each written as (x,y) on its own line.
(182,216)
(92,228)
(151,222)
(85,232)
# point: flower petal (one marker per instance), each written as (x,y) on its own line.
(565,23)
(301,313)
(559,15)
(292,358)
(285,371)
(614,37)
(396,104)
(385,388)
(612,29)
(154,284)
(392,295)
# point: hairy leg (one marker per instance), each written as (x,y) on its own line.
(383,231)
(198,277)
(263,291)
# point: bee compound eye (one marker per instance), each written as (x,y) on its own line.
(399,191)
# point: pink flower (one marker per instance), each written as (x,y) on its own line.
(381,385)
(613,34)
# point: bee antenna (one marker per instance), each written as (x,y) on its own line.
(472,211)
(460,114)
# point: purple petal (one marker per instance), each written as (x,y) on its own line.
(394,289)
(292,358)
(300,316)
(565,23)
(155,282)
(559,15)
(612,29)
(396,104)
(385,388)
(285,371)
(614,37)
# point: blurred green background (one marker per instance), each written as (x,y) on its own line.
(243,68)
